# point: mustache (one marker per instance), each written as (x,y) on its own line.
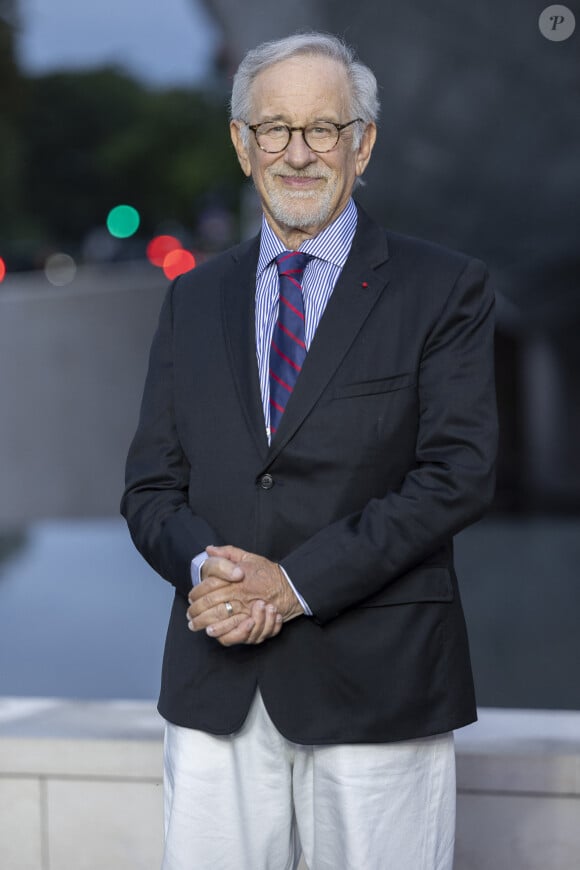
(307,172)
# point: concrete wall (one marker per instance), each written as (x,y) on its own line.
(80,788)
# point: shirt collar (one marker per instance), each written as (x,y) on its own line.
(332,244)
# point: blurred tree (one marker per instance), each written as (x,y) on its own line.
(11,97)
(95,139)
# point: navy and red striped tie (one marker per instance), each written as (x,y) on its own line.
(288,349)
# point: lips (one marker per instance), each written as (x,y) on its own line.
(300,182)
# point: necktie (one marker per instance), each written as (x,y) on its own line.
(288,349)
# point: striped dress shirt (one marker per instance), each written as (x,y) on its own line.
(329,251)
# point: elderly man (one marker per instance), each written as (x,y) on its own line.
(317,423)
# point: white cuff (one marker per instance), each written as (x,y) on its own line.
(195,568)
(303,603)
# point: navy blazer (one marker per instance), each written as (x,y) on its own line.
(385,451)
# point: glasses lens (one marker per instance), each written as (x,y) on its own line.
(321,136)
(272,137)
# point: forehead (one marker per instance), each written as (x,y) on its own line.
(302,88)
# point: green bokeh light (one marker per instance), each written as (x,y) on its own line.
(123,221)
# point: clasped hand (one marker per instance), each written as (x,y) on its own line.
(259,595)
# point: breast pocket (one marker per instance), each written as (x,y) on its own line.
(376,386)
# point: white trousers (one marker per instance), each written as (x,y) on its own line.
(251,800)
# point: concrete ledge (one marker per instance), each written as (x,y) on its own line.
(518,778)
(520,752)
(80,785)
(80,788)
(103,720)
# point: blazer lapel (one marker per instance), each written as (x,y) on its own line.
(238,293)
(363,279)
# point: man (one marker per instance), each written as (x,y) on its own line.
(314,431)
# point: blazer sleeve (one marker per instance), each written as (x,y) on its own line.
(452,481)
(155,501)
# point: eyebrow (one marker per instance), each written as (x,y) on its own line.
(271,118)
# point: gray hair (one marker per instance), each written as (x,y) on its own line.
(365,101)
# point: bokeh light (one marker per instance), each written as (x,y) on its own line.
(160,246)
(178,262)
(123,221)
(60,269)
(2,269)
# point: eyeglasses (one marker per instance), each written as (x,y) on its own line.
(321,136)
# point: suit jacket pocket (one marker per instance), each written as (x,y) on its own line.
(377,385)
(426,583)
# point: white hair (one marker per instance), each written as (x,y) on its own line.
(364,92)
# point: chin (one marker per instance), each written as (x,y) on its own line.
(302,212)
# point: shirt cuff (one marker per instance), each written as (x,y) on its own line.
(195,568)
(303,603)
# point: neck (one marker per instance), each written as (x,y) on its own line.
(292,237)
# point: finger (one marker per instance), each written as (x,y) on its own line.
(212,609)
(202,600)
(212,584)
(259,615)
(207,606)
(272,625)
(220,626)
(222,568)
(229,552)
(268,622)
(238,635)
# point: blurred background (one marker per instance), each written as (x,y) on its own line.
(116,174)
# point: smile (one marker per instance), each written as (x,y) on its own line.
(300,182)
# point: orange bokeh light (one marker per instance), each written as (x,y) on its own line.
(178,262)
(160,246)
(2,269)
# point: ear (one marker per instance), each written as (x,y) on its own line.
(363,155)
(241,150)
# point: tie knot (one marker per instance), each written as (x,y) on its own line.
(292,263)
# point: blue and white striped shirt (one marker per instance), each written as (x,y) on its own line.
(329,251)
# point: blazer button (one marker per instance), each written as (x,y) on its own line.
(266,481)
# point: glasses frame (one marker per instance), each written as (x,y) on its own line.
(339,128)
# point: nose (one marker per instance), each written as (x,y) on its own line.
(297,152)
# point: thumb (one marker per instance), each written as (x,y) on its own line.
(234,554)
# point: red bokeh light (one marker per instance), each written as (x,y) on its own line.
(2,269)
(159,247)
(178,262)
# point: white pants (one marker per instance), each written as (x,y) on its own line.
(250,800)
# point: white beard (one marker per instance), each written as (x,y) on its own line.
(301,209)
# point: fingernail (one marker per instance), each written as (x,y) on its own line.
(278,617)
(237,573)
(209,630)
(190,625)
